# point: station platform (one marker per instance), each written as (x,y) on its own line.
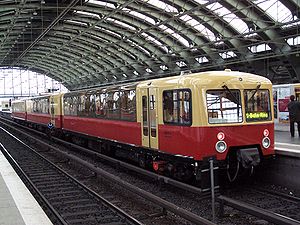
(284,143)
(17,205)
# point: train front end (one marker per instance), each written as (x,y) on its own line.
(239,122)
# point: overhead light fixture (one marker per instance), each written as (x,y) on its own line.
(43,2)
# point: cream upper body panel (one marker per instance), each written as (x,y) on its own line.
(199,83)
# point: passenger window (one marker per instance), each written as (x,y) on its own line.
(177,107)
(145,116)
(152,116)
(128,104)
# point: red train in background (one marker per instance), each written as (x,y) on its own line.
(173,125)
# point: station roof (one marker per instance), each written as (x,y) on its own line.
(89,43)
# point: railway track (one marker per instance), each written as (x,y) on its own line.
(271,206)
(167,206)
(248,208)
(68,201)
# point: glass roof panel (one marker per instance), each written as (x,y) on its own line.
(227,55)
(140,16)
(162,5)
(202,59)
(199,27)
(108,31)
(121,23)
(233,20)
(175,35)
(76,22)
(275,9)
(102,3)
(155,41)
(293,40)
(87,14)
(259,48)
(138,46)
(201,2)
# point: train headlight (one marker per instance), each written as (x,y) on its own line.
(266,142)
(221,146)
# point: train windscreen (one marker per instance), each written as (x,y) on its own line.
(257,105)
(224,106)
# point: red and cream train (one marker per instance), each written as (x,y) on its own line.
(172,124)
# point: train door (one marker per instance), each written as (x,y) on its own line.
(52,112)
(149,118)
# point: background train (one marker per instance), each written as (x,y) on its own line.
(173,125)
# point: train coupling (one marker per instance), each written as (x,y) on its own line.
(248,157)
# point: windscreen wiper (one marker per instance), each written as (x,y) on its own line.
(232,95)
(257,88)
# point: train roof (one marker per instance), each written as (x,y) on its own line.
(208,78)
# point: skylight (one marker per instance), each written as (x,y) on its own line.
(101,3)
(138,46)
(163,67)
(275,9)
(202,59)
(155,41)
(233,20)
(76,22)
(199,27)
(293,40)
(259,48)
(121,23)
(181,64)
(140,16)
(175,35)
(88,14)
(162,5)
(108,31)
(227,55)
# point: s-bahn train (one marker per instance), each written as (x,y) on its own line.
(173,125)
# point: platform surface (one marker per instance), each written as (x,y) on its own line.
(284,143)
(17,205)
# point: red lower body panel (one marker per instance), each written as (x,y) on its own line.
(19,115)
(122,131)
(199,142)
(44,119)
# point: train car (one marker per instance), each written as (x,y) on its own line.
(19,110)
(44,111)
(6,109)
(176,124)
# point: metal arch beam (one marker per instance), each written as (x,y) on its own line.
(136,52)
(166,40)
(170,22)
(182,30)
(293,6)
(114,40)
(41,60)
(88,50)
(57,19)
(216,25)
(276,41)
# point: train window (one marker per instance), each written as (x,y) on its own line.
(128,105)
(113,105)
(152,115)
(224,106)
(257,105)
(101,105)
(145,115)
(177,107)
